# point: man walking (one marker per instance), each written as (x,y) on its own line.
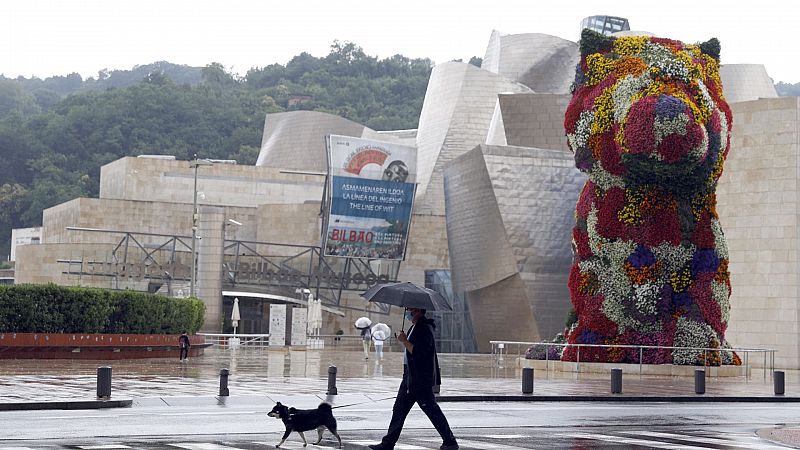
(420,375)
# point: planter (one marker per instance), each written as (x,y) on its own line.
(94,346)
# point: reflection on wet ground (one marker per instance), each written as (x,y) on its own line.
(290,371)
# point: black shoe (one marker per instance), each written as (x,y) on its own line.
(453,446)
(380,447)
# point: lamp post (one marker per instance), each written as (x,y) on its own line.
(195,164)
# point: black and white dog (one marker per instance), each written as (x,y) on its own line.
(301,420)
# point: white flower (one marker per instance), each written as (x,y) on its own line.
(721,294)
(673,256)
(646,298)
(720,244)
(662,58)
(664,126)
(583,128)
(624,92)
(689,333)
(604,179)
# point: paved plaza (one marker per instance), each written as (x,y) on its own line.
(300,378)
(289,371)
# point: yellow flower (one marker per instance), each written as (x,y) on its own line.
(630,45)
(680,281)
(599,68)
(603,111)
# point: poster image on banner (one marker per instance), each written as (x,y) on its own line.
(372,185)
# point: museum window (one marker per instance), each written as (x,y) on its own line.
(454,332)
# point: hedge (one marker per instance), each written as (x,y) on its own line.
(48,308)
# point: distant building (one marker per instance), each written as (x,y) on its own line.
(298,99)
(24,236)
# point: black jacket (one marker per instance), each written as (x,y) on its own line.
(423,364)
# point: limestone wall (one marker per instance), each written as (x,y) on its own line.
(757,204)
(161,180)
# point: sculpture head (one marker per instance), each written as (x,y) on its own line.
(648,110)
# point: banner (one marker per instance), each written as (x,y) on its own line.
(372,188)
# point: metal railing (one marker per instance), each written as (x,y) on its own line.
(500,348)
(337,341)
(245,340)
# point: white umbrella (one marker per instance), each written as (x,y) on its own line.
(383,329)
(379,335)
(363,322)
(235,317)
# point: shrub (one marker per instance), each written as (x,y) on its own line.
(32,308)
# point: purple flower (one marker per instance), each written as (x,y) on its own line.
(682,300)
(589,337)
(642,256)
(669,107)
(705,260)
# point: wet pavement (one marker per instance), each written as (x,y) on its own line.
(281,371)
(256,374)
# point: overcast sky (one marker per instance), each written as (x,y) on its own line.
(57,37)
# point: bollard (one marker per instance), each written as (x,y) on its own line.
(699,381)
(104,382)
(527,380)
(223,383)
(616,381)
(778,380)
(332,380)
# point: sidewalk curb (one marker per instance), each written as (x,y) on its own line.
(106,404)
(67,404)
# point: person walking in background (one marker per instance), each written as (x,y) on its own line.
(378,337)
(183,343)
(366,341)
(420,375)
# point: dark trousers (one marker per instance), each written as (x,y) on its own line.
(184,352)
(427,403)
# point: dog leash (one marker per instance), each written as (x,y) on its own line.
(360,403)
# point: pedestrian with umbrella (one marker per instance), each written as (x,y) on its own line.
(380,332)
(420,363)
(363,324)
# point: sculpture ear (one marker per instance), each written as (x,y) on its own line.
(594,42)
(711,48)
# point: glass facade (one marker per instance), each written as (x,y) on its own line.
(605,24)
(454,332)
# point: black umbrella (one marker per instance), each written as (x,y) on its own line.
(407,295)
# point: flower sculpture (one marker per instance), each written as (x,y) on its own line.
(650,126)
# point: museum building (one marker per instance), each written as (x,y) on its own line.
(491,223)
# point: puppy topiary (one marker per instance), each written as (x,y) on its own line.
(650,126)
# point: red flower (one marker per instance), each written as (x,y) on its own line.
(676,146)
(661,226)
(582,244)
(703,234)
(610,153)
(586,200)
(608,223)
(639,135)
(700,290)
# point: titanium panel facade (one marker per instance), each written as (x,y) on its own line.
(296,140)
(456,115)
(544,63)
(744,82)
(509,213)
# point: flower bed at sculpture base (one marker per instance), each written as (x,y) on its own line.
(94,346)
